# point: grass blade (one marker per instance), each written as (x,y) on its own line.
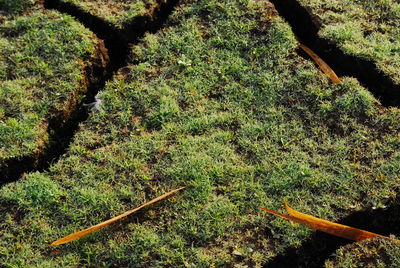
(75,236)
(324,225)
(322,64)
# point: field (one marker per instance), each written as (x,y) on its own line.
(219,99)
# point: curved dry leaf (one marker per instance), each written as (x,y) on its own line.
(75,236)
(324,225)
(322,64)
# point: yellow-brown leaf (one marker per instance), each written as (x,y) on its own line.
(322,64)
(324,225)
(89,230)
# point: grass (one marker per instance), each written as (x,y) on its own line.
(366,29)
(219,101)
(42,61)
(371,253)
(13,7)
(117,13)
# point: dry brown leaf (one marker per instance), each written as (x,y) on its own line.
(89,230)
(324,225)
(322,64)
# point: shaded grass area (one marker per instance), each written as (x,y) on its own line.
(366,29)
(221,102)
(15,7)
(119,14)
(377,252)
(47,63)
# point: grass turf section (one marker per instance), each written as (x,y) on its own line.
(366,29)
(43,56)
(378,252)
(15,7)
(221,102)
(118,13)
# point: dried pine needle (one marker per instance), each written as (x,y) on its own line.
(322,64)
(324,225)
(75,236)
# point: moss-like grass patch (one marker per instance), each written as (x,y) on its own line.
(366,29)
(377,252)
(16,7)
(118,13)
(221,102)
(46,60)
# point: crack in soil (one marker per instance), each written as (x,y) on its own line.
(306,29)
(13,168)
(117,43)
(318,248)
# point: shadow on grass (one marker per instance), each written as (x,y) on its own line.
(318,248)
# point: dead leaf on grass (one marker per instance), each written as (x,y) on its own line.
(322,64)
(324,225)
(75,236)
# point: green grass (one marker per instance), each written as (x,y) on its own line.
(117,13)
(377,252)
(14,7)
(42,61)
(221,102)
(366,29)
